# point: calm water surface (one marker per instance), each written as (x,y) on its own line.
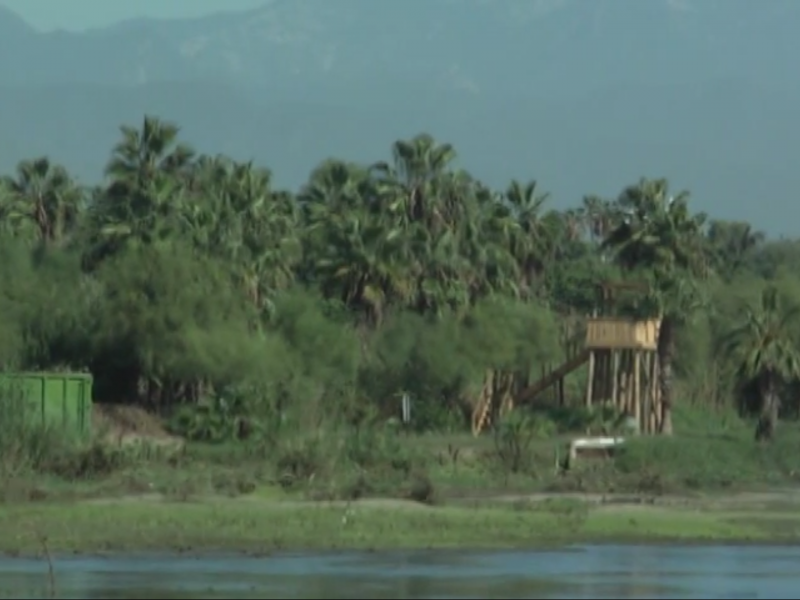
(582,572)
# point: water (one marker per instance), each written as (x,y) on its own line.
(667,572)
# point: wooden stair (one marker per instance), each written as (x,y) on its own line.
(481,415)
(551,378)
(485,407)
(496,399)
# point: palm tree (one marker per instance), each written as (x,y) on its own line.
(363,268)
(44,196)
(149,174)
(657,233)
(765,354)
(731,243)
(599,216)
(234,214)
(144,153)
(412,182)
(265,224)
(337,187)
(529,242)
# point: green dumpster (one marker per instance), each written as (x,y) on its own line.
(55,399)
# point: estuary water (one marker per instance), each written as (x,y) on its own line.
(667,572)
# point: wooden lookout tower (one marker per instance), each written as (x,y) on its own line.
(623,362)
(621,353)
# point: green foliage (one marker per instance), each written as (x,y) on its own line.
(710,458)
(189,285)
(513,439)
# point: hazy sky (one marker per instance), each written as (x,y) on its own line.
(84,14)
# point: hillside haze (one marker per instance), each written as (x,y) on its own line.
(584,96)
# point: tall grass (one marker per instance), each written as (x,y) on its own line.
(32,446)
(26,443)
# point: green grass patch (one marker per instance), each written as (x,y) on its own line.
(711,453)
(263,526)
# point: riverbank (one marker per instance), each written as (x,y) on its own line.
(257,525)
(339,488)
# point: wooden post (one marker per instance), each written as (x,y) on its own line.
(625,388)
(622,377)
(615,379)
(645,394)
(590,380)
(655,403)
(637,389)
(630,393)
(599,371)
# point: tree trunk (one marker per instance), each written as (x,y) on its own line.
(666,351)
(770,409)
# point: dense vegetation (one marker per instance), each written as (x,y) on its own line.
(188,285)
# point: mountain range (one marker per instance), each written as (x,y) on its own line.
(583,95)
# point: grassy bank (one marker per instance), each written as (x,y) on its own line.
(382,488)
(256,525)
(712,453)
(429,469)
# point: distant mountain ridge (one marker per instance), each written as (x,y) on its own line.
(585,96)
(462,43)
